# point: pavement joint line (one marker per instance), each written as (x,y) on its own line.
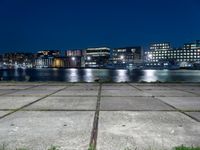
(48,110)
(134,87)
(22,107)
(49,96)
(179,110)
(187,91)
(190,116)
(74,96)
(94,133)
(146,96)
(17,90)
(145,110)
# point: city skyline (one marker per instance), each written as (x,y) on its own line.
(62,51)
(34,25)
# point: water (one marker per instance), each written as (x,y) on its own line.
(90,75)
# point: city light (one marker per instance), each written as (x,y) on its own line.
(157,55)
(150,56)
(121,57)
(88,58)
(73,58)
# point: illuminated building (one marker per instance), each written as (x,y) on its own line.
(44,62)
(58,62)
(160,46)
(167,57)
(126,57)
(17,59)
(97,57)
(45,53)
(45,59)
(75,58)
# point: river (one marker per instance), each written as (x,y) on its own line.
(91,75)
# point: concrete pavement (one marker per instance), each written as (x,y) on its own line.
(124,115)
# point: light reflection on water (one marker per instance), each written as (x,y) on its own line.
(121,76)
(71,75)
(90,75)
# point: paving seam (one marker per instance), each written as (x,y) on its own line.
(187,92)
(18,109)
(51,96)
(134,86)
(93,139)
(190,116)
(179,110)
(146,110)
(49,110)
(89,96)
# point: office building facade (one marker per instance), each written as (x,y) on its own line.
(75,58)
(126,57)
(47,58)
(97,57)
(169,57)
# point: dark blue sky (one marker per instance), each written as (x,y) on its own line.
(31,25)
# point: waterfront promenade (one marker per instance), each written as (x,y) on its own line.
(109,116)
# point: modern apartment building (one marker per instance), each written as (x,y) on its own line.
(51,53)
(45,58)
(97,57)
(165,56)
(75,58)
(126,57)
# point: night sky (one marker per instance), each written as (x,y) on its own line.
(32,25)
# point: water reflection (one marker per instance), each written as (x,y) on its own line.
(90,75)
(121,76)
(5,73)
(72,75)
(16,73)
(149,76)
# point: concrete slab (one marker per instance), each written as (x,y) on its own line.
(65,103)
(166,84)
(49,87)
(69,92)
(186,87)
(40,130)
(146,130)
(183,103)
(15,87)
(132,103)
(82,87)
(5,91)
(153,87)
(115,84)
(194,114)
(2,113)
(118,87)
(86,84)
(21,83)
(123,93)
(32,92)
(194,91)
(169,93)
(15,102)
